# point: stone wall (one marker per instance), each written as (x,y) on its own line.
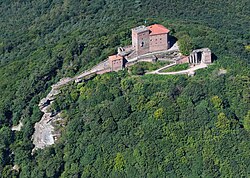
(158,42)
(183,60)
(140,40)
(198,56)
(116,65)
(143,43)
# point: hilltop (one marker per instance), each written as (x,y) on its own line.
(120,124)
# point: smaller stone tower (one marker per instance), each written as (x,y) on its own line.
(198,56)
(116,62)
(206,56)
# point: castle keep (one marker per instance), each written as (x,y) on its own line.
(150,39)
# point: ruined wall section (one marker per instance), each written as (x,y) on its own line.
(198,56)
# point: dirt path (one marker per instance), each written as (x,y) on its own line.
(165,67)
(188,71)
(44,134)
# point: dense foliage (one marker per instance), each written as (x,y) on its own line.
(185,44)
(168,126)
(125,126)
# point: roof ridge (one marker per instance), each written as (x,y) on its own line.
(158,29)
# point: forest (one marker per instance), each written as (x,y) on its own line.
(125,124)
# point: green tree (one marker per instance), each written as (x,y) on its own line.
(223,123)
(158,114)
(185,44)
(119,162)
(246,121)
(217,102)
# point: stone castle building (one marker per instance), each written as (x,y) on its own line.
(116,62)
(198,56)
(148,43)
(144,40)
(150,39)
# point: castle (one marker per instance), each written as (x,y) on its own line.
(152,42)
(148,44)
(144,40)
(150,39)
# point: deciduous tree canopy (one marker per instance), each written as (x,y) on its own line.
(120,124)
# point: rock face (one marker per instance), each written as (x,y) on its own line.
(45,134)
(44,130)
(17,127)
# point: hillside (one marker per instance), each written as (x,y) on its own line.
(118,124)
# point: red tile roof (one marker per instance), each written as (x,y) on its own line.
(115,57)
(157,29)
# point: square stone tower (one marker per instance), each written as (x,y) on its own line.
(140,40)
(116,62)
(206,56)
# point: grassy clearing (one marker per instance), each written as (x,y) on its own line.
(142,67)
(176,68)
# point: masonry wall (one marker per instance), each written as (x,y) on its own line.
(134,39)
(143,43)
(140,42)
(183,60)
(116,65)
(158,42)
(103,71)
(207,57)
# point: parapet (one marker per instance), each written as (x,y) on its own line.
(202,50)
(140,29)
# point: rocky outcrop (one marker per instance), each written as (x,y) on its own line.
(44,134)
(17,127)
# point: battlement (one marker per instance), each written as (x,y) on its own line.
(201,50)
(140,29)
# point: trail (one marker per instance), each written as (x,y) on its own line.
(158,70)
(188,71)
(44,134)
